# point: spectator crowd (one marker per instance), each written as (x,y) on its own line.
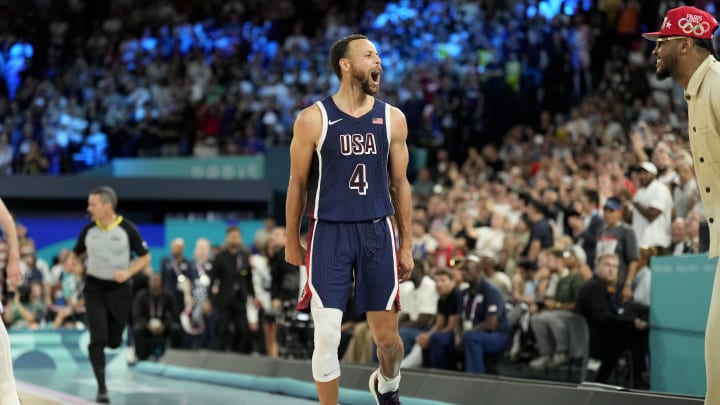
(558,166)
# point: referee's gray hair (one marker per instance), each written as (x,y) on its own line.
(107,195)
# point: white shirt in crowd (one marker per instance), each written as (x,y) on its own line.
(657,232)
(420,300)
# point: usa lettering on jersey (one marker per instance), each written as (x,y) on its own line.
(358,144)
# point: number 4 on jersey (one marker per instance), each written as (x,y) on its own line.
(358,180)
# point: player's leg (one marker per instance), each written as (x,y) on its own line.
(329,282)
(8,389)
(376,292)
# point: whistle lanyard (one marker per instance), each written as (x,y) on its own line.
(175,267)
(200,268)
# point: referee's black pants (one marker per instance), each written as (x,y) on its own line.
(108,309)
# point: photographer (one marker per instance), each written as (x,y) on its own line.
(26,306)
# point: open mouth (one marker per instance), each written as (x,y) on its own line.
(375,77)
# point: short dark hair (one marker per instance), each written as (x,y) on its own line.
(528,265)
(232,228)
(106,194)
(444,271)
(706,45)
(538,206)
(592,196)
(339,50)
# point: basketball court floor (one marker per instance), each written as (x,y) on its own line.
(54,387)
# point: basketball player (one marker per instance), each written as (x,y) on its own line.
(684,51)
(8,391)
(348,160)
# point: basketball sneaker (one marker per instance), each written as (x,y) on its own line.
(388,398)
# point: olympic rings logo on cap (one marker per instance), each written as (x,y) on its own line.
(693,25)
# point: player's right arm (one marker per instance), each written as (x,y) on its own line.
(306,131)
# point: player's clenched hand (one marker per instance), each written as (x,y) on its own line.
(295,254)
(405,265)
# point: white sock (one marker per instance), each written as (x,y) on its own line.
(386,385)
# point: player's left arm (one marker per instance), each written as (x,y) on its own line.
(400,189)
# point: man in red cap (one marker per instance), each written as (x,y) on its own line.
(684,51)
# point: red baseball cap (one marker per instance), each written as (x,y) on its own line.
(685,21)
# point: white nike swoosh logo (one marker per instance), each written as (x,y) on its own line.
(334,122)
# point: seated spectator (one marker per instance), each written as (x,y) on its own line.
(447,318)
(484,329)
(154,320)
(418,300)
(27,309)
(29,265)
(549,325)
(488,262)
(70,312)
(679,245)
(612,328)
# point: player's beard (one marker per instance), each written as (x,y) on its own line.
(363,79)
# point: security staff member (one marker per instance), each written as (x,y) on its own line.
(109,243)
(234,294)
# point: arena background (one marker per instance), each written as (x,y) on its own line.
(188,194)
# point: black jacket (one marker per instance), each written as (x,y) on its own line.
(234,275)
(605,321)
(146,306)
(285,278)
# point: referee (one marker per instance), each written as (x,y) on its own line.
(109,242)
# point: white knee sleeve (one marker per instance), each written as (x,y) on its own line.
(8,390)
(325,363)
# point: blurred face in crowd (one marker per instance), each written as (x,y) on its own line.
(678,230)
(233,239)
(202,250)
(365,65)
(661,157)
(177,247)
(645,177)
(571,261)
(444,284)
(685,172)
(611,216)
(278,237)
(607,269)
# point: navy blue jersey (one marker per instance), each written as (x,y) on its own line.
(349,174)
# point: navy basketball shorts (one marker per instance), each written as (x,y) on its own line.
(340,253)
